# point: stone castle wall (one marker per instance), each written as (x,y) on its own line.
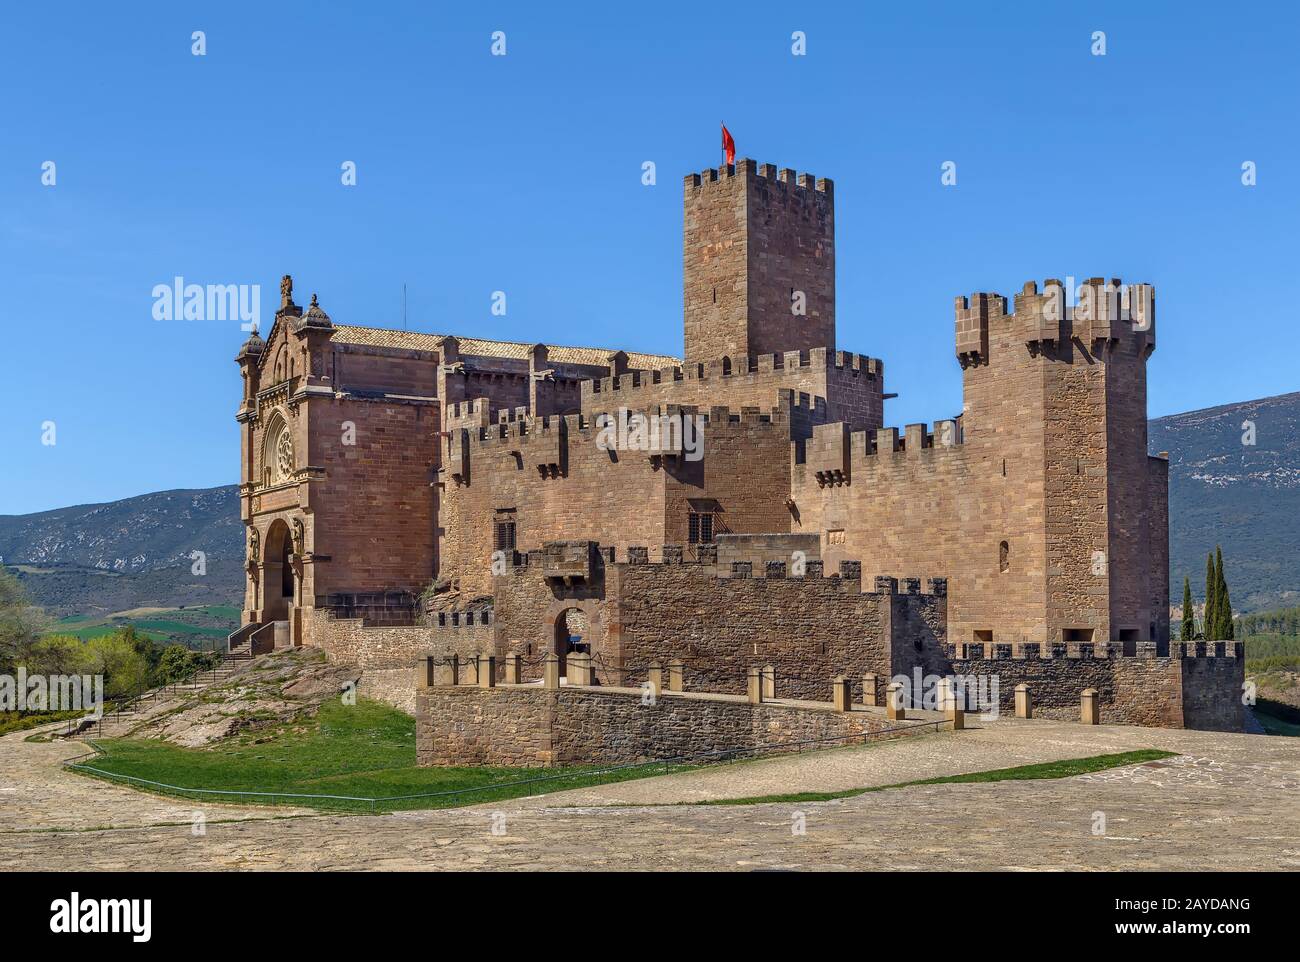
(531,726)
(552,478)
(1200,692)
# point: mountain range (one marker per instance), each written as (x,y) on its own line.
(1234,481)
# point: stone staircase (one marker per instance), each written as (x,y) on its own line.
(127,718)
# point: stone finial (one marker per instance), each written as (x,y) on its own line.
(315,316)
(286,291)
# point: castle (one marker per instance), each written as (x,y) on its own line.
(379,467)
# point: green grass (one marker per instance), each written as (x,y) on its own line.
(1061,769)
(365,751)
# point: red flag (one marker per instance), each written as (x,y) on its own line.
(728,145)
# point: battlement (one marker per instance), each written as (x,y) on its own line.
(789,363)
(544,442)
(746,167)
(833,449)
(1103,650)
(1098,314)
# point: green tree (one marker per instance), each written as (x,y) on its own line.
(174,664)
(125,670)
(1222,600)
(1189,612)
(1211,583)
(20,622)
(58,655)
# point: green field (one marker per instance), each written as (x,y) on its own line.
(364,751)
(196,627)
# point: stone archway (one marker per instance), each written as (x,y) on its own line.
(573,626)
(277,587)
(572,634)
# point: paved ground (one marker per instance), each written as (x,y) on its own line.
(1229,802)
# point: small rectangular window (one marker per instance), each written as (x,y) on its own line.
(504,539)
(699,527)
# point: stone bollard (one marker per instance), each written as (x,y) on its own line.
(487,671)
(769,683)
(424,675)
(551,670)
(580,669)
(1024,704)
(675,675)
(514,669)
(957,716)
(841,694)
(754,688)
(1090,707)
(655,679)
(870,689)
(894,709)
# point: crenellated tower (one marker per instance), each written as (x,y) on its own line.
(1055,409)
(758,263)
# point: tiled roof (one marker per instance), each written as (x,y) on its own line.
(478,347)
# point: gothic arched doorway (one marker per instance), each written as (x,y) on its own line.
(277,573)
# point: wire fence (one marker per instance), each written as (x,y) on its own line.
(555,782)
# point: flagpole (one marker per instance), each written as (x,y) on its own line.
(722,145)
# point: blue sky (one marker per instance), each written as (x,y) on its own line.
(523,174)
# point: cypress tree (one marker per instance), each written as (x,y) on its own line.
(1222,602)
(1189,614)
(1211,582)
